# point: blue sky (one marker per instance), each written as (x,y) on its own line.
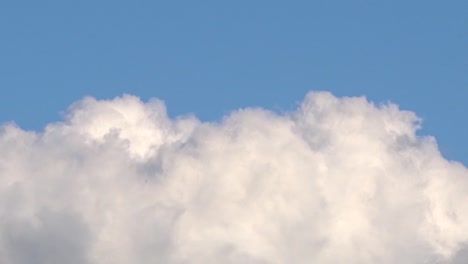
(210,57)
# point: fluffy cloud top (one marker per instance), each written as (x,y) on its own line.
(339,180)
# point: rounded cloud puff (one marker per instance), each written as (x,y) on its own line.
(338,180)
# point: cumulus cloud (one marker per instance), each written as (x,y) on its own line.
(338,180)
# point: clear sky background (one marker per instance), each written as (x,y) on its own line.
(210,57)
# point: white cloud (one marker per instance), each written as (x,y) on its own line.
(339,180)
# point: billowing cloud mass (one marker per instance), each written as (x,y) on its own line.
(339,180)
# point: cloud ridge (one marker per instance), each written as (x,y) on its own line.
(338,180)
